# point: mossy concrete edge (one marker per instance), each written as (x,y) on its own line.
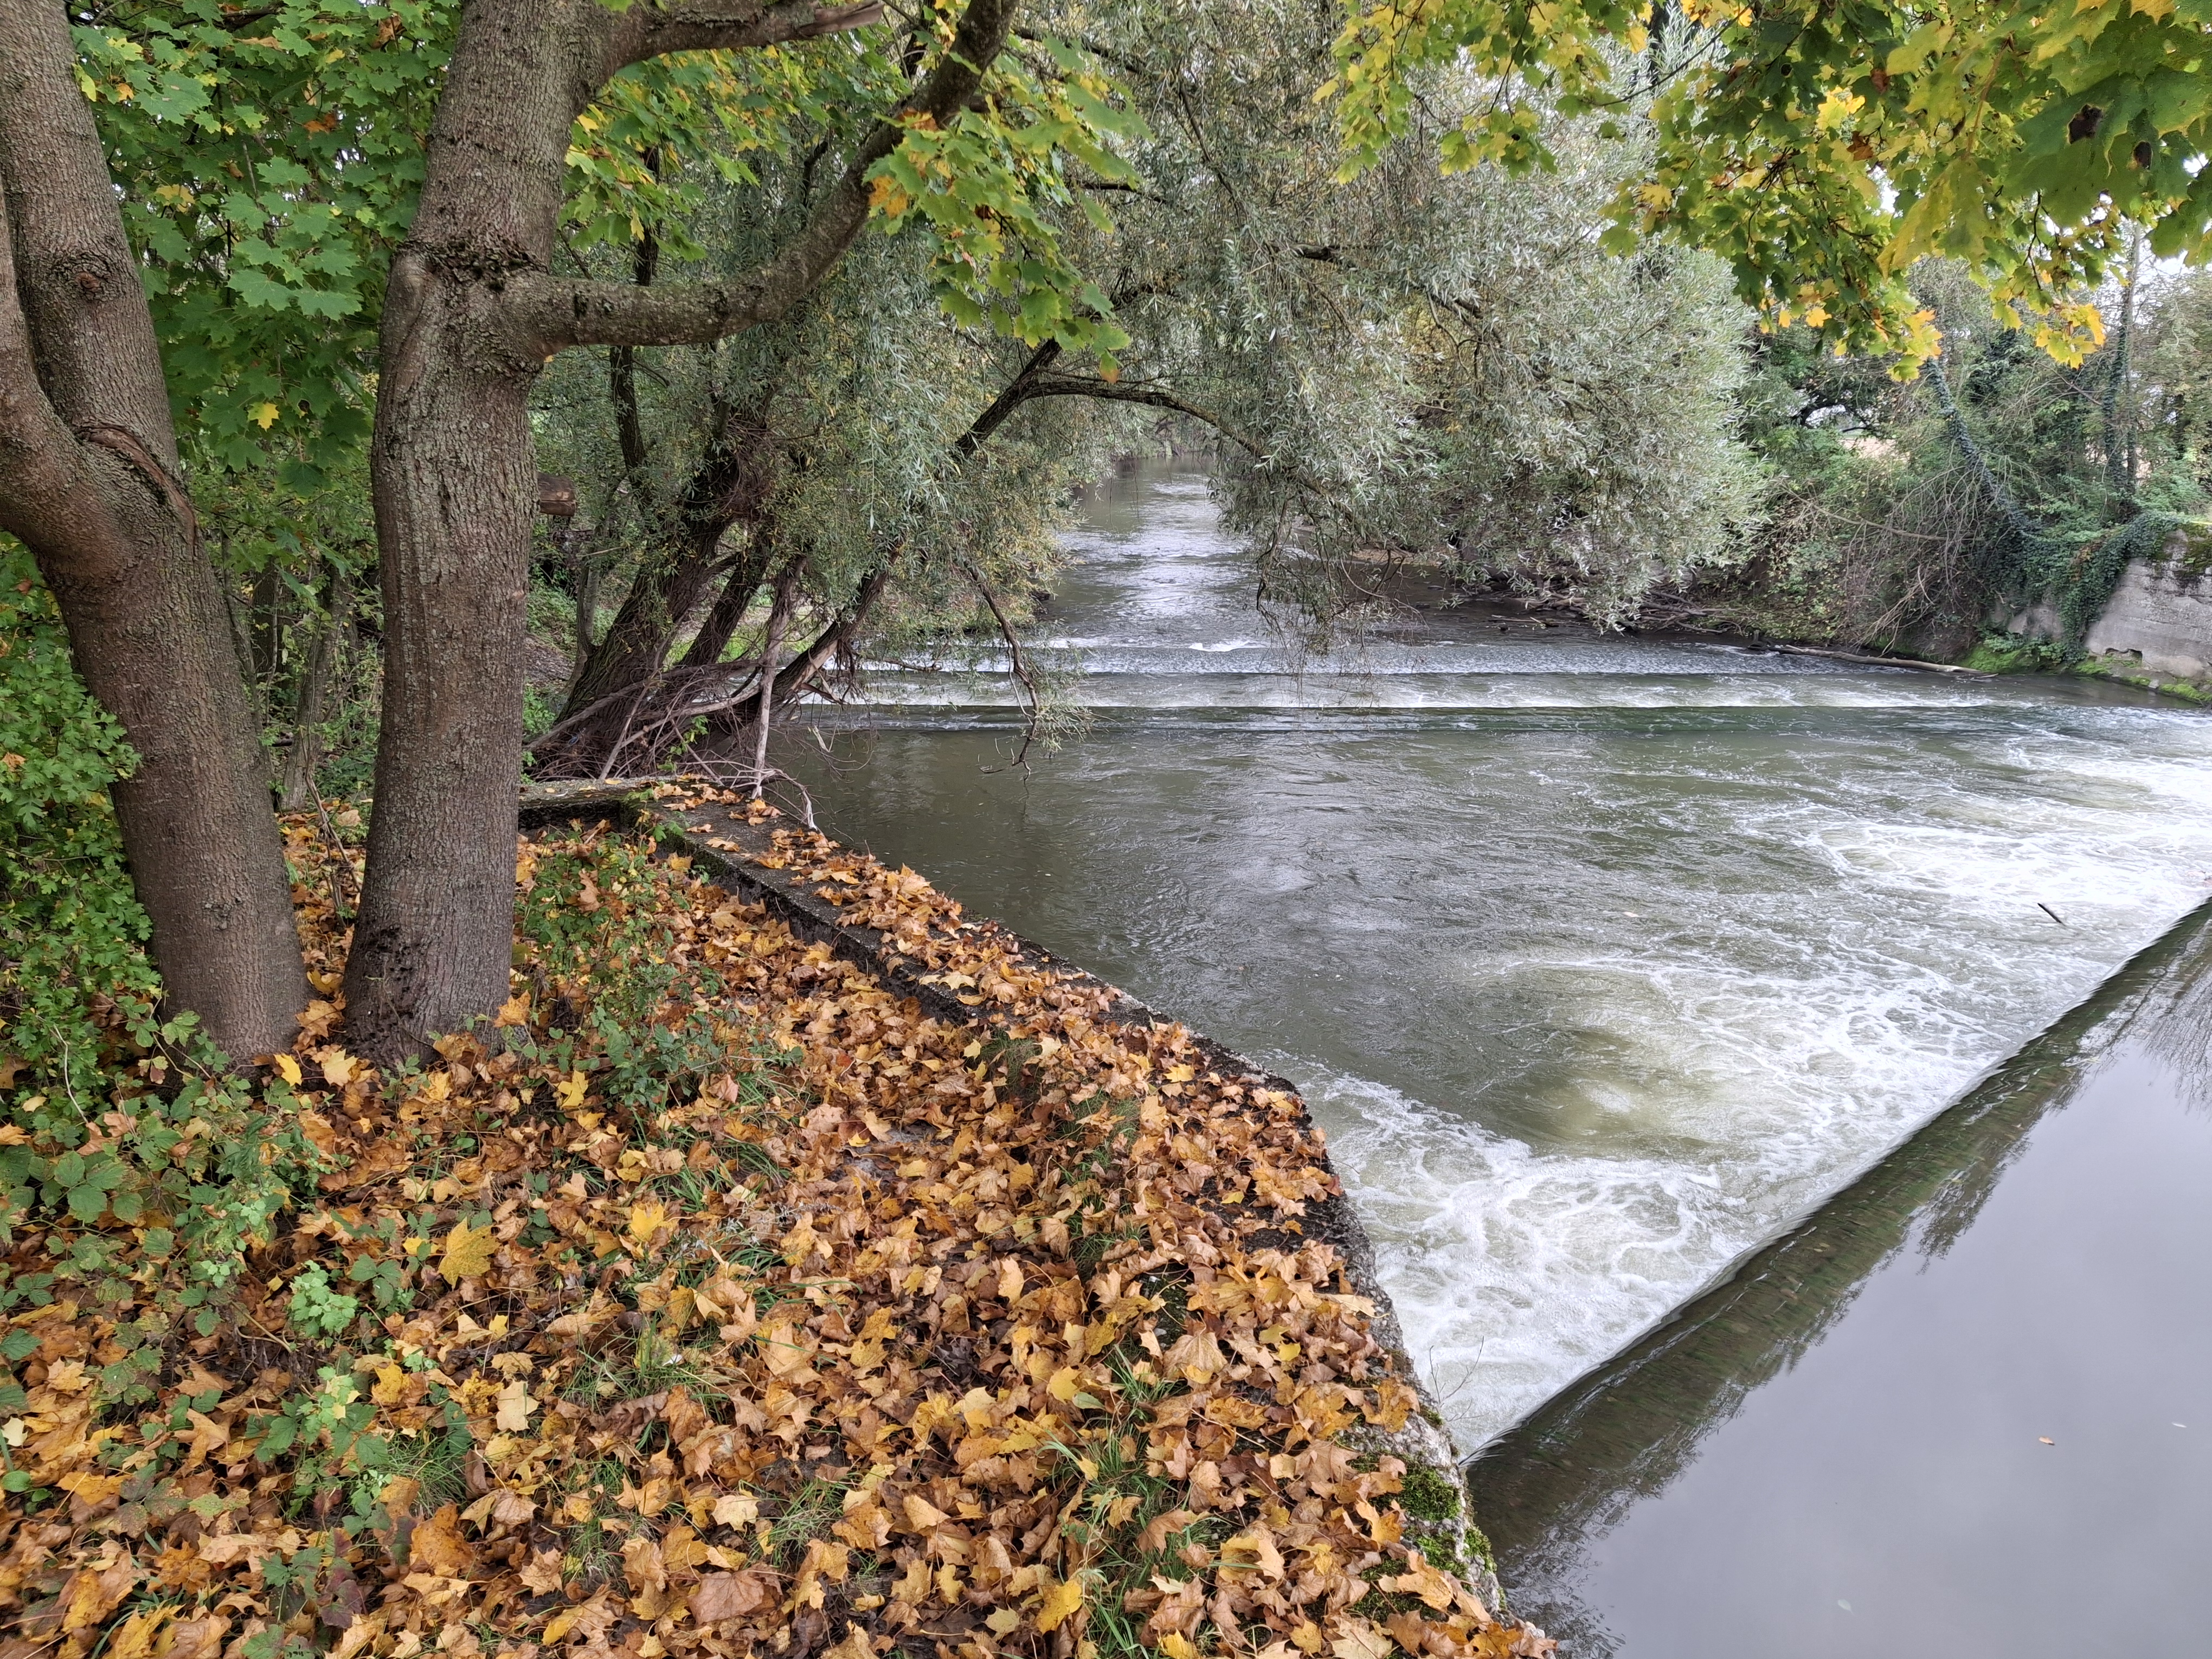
(1436,1499)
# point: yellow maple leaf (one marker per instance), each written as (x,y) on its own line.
(288,1068)
(923,1515)
(263,416)
(646,1217)
(339,1067)
(468,1254)
(1424,1581)
(1067,1383)
(560,1624)
(570,1089)
(135,1639)
(1060,1601)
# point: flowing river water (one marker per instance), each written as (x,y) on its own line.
(1602,959)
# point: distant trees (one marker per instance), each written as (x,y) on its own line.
(1924,516)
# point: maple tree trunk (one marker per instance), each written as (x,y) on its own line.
(454,480)
(89,483)
(472,313)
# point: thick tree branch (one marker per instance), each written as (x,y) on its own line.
(1019,391)
(1153,397)
(31,436)
(48,496)
(550,312)
(654,30)
(1072,386)
(622,383)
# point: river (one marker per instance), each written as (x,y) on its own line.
(1602,959)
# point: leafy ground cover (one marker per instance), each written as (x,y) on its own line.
(717,1302)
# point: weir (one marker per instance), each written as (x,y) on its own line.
(1601,959)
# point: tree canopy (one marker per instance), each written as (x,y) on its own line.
(1823,146)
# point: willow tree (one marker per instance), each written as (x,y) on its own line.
(1449,368)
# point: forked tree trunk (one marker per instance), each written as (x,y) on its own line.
(89,481)
(729,486)
(471,314)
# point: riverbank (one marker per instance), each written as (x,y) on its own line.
(768,1282)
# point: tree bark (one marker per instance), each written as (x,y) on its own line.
(298,792)
(471,313)
(89,481)
(736,599)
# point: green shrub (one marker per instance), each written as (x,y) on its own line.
(118,1129)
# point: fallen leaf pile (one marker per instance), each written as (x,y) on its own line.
(881,1332)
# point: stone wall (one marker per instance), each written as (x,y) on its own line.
(2156,629)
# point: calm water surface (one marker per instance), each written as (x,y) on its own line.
(1602,960)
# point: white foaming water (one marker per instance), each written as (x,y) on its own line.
(1756,1060)
(1600,960)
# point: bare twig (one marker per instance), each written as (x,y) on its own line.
(1021,669)
(773,641)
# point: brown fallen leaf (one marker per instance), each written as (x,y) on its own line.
(438,1547)
(198,1638)
(731,1596)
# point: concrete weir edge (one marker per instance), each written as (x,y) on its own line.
(1437,1500)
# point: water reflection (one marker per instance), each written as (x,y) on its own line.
(1846,1442)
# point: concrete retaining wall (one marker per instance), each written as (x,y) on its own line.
(2156,629)
(2160,615)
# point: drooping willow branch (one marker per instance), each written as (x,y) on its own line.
(1034,714)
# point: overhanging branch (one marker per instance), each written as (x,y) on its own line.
(550,312)
(655,31)
(1076,385)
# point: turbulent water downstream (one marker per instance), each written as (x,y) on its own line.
(1602,959)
